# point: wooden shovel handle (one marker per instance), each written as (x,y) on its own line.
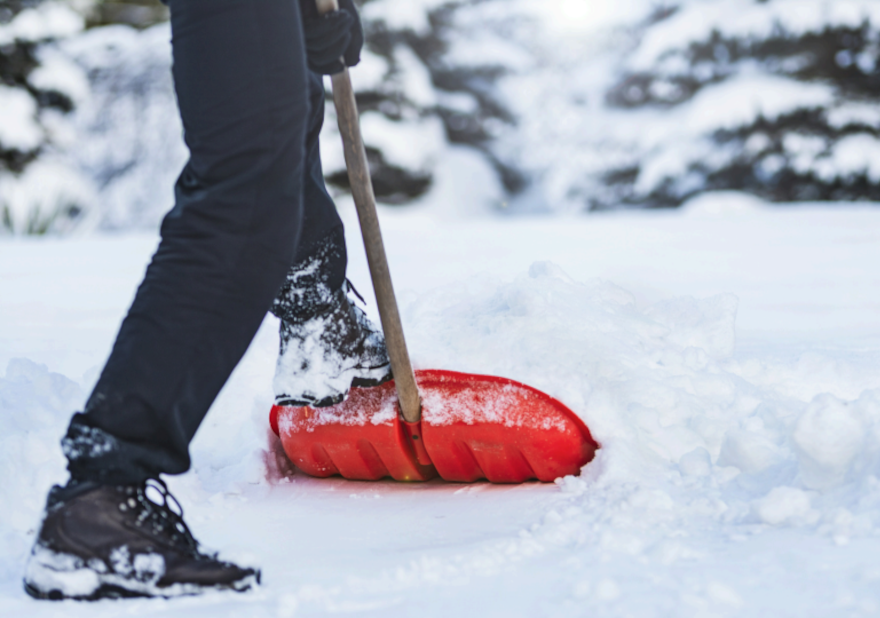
(365,201)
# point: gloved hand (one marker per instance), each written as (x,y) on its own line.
(332,36)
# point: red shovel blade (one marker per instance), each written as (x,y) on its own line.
(472,427)
(361,438)
(478,426)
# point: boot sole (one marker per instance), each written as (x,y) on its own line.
(117,590)
(370,382)
(356,382)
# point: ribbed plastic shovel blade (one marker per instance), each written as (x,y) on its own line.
(478,427)
(361,438)
(473,427)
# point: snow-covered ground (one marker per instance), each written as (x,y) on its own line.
(727,357)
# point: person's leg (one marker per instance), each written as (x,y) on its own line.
(320,218)
(327,344)
(241,80)
(240,75)
(318,268)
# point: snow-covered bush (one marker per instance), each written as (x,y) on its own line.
(415,99)
(132,139)
(110,160)
(38,88)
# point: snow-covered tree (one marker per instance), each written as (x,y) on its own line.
(416,98)
(780,98)
(38,87)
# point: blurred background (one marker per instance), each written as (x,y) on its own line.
(527,106)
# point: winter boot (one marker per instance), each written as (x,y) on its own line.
(322,357)
(100,541)
(327,344)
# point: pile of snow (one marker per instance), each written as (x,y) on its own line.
(685,428)
(34,404)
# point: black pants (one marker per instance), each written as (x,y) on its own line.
(250,204)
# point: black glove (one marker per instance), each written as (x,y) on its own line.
(332,36)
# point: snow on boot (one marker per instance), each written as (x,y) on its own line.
(327,344)
(100,541)
(322,357)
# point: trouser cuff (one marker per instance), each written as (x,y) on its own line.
(95,455)
(311,283)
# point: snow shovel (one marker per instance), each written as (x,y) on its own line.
(428,423)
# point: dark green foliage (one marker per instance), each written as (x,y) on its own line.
(17,60)
(392,184)
(136,13)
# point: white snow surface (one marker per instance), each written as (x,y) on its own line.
(727,358)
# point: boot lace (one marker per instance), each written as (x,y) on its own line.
(349,287)
(160,518)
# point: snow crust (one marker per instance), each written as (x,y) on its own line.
(375,411)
